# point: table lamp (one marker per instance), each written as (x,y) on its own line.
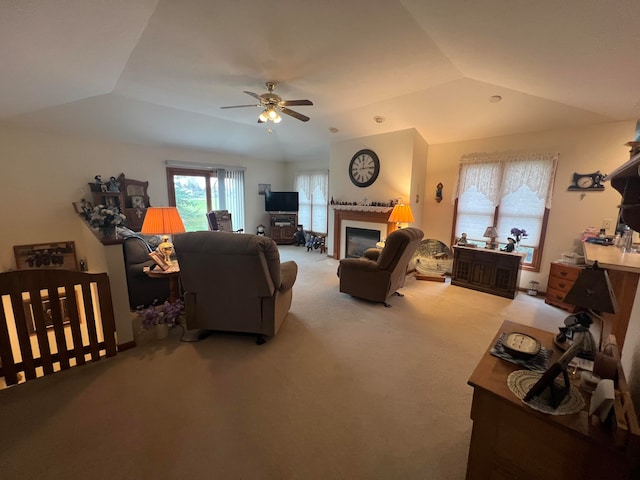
(401,213)
(591,291)
(163,221)
(492,233)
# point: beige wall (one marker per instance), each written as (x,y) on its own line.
(583,150)
(403,161)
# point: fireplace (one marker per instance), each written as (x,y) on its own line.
(359,239)
(357,216)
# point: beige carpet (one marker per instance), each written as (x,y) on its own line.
(347,390)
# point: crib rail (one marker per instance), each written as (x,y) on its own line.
(52,320)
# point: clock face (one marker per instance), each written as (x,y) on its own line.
(585,181)
(364,168)
(521,345)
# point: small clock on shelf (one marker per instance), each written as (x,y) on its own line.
(588,181)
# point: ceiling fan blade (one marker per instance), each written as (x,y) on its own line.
(293,103)
(254,95)
(297,115)
(240,106)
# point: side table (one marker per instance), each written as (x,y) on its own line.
(173,273)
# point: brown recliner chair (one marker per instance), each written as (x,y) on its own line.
(233,282)
(379,274)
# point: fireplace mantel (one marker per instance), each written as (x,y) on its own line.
(361,214)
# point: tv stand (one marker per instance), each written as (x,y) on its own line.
(283,227)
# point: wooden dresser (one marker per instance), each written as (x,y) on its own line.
(562,276)
(511,440)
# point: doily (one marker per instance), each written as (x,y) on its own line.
(521,381)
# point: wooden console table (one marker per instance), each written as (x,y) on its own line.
(490,271)
(511,440)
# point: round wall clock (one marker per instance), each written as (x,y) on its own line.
(364,168)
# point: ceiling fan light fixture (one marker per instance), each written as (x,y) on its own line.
(263,116)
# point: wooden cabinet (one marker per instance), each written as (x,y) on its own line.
(562,276)
(490,271)
(131,198)
(283,227)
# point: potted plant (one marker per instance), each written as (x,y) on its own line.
(162,317)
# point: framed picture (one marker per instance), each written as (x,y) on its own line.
(60,255)
(48,316)
(79,207)
(264,188)
(137,201)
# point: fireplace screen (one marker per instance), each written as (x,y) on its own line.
(359,239)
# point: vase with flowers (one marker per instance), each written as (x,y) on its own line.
(161,317)
(106,218)
(518,233)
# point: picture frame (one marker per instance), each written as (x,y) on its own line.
(79,207)
(157,257)
(263,188)
(137,201)
(58,255)
(46,307)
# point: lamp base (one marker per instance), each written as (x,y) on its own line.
(166,249)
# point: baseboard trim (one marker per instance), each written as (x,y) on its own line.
(126,346)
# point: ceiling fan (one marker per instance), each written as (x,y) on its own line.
(273,105)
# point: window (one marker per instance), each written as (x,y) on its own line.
(196,191)
(510,192)
(313,189)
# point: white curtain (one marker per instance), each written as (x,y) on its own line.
(313,188)
(497,175)
(521,184)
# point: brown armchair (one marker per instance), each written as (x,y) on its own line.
(234,282)
(378,275)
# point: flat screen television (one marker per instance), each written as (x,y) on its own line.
(281,201)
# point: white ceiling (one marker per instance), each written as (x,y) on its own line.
(158,71)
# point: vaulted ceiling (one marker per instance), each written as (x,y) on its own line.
(157,71)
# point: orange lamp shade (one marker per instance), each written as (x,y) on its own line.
(401,214)
(162,221)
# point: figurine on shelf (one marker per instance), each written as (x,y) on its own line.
(462,240)
(510,246)
(114,186)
